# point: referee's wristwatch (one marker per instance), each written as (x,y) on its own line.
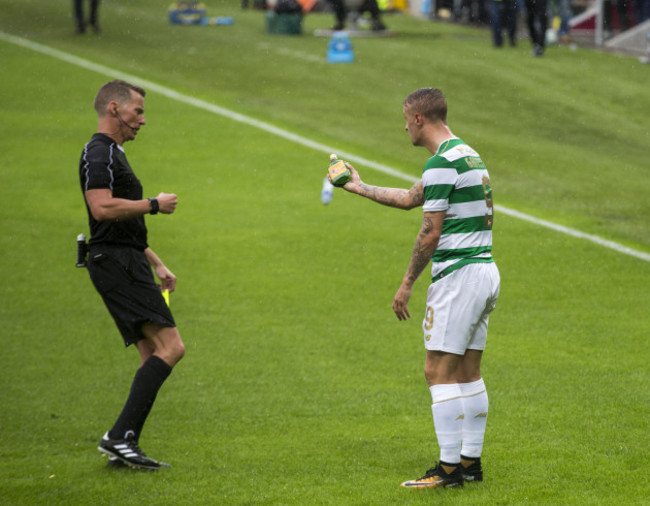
(153,202)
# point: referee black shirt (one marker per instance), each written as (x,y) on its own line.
(103,164)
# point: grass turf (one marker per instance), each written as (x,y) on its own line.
(300,386)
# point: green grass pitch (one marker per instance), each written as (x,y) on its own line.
(299,385)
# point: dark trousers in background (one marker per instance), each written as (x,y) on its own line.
(537,21)
(79,14)
(503,15)
(341,10)
(642,10)
(621,10)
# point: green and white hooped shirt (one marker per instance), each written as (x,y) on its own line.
(455,180)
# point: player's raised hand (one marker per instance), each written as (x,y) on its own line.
(355,179)
(167,202)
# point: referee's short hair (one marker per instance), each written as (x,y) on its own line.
(118,90)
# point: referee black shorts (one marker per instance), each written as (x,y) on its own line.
(123,278)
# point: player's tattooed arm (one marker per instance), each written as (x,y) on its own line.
(425,244)
(393,197)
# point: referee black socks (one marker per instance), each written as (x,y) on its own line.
(146,383)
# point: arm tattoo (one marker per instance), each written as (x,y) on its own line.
(394,197)
(417,193)
(422,250)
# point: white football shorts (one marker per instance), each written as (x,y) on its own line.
(458,308)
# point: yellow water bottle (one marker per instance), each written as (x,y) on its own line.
(338,171)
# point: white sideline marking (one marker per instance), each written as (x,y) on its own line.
(301,55)
(298,139)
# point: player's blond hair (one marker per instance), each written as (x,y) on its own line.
(118,91)
(430,102)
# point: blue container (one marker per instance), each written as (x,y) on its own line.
(186,13)
(218,21)
(339,49)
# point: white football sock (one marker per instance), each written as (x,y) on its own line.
(447,411)
(475,406)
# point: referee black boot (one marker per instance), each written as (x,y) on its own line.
(128,451)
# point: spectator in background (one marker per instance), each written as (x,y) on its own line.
(562,9)
(537,19)
(642,10)
(621,10)
(341,10)
(79,15)
(503,14)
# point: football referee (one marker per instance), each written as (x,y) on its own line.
(120,264)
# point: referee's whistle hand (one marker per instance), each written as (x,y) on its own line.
(167,202)
(166,277)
